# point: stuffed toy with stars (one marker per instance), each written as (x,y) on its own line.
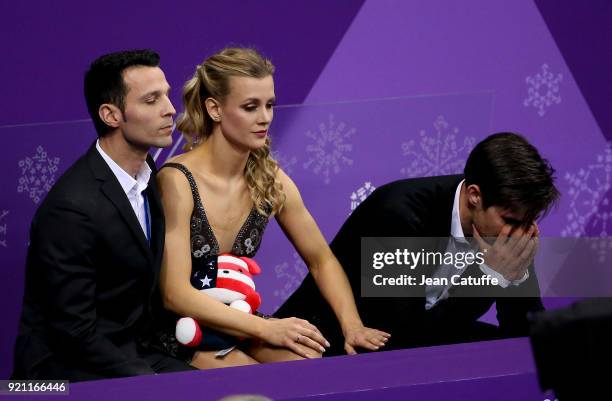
(227,278)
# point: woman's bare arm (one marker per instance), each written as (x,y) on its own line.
(303,232)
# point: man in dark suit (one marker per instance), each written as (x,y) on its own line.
(492,208)
(96,241)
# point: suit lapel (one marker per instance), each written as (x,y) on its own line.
(114,193)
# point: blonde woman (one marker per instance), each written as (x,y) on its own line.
(218,198)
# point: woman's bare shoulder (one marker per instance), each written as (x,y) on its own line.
(180,158)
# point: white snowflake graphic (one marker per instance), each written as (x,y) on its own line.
(543,90)
(361,194)
(37,174)
(329,149)
(285,162)
(292,274)
(437,154)
(591,202)
(3,228)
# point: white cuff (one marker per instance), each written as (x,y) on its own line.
(501,280)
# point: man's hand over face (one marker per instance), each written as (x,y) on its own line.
(512,251)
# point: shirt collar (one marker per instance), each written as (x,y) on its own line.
(127,182)
(456,229)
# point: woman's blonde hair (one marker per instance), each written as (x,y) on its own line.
(211,79)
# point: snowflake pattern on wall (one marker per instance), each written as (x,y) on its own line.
(37,174)
(3,228)
(361,194)
(437,154)
(330,148)
(590,197)
(285,162)
(543,90)
(291,274)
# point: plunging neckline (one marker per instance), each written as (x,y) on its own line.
(213,236)
(215,243)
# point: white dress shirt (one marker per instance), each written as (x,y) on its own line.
(458,243)
(133,187)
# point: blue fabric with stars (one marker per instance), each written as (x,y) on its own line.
(204,275)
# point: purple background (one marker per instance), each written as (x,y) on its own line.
(369,92)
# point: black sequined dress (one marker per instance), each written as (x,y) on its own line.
(204,252)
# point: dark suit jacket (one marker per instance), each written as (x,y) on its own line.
(91,277)
(420,207)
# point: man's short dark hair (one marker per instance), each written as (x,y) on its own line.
(104,81)
(511,174)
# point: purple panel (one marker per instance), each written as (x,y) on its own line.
(573,25)
(52,43)
(512,387)
(38,155)
(476,371)
(501,47)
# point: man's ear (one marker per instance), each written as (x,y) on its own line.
(213,107)
(474,195)
(110,115)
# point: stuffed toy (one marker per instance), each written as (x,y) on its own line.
(227,278)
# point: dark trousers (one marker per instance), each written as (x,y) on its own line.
(54,369)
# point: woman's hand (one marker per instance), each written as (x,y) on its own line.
(298,335)
(357,335)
